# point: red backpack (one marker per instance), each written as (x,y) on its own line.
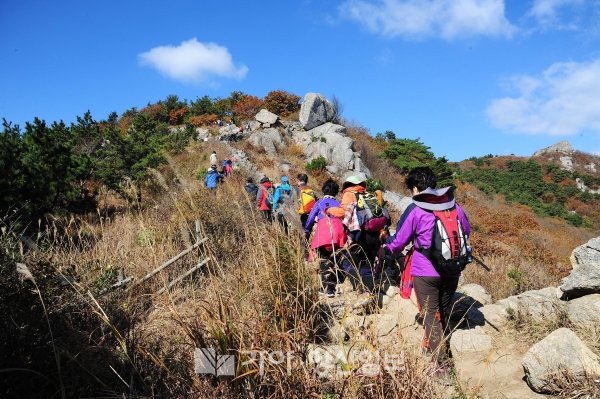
(450,250)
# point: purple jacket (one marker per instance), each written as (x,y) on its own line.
(417,224)
(318,211)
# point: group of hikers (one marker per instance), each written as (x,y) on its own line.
(214,176)
(351,240)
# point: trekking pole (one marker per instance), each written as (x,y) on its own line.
(481,264)
(338,289)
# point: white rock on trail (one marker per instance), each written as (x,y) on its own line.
(561,351)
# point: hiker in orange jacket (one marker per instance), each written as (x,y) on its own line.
(350,188)
(359,260)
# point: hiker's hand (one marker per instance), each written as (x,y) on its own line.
(383,236)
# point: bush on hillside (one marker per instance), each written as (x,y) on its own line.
(318,163)
(281,102)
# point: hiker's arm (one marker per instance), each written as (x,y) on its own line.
(311,218)
(403,235)
(403,218)
(276,199)
(258,193)
(340,211)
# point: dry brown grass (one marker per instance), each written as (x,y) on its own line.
(255,294)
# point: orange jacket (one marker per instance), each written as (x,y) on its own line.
(349,196)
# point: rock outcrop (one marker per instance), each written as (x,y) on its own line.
(265,116)
(537,304)
(315,110)
(583,280)
(269,139)
(551,359)
(586,253)
(585,311)
(562,147)
(330,141)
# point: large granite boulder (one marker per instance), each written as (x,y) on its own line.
(558,359)
(583,280)
(330,141)
(539,305)
(585,311)
(586,253)
(315,111)
(561,147)
(397,201)
(265,116)
(269,139)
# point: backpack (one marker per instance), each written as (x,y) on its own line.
(269,194)
(307,199)
(252,191)
(372,217)
(450,250)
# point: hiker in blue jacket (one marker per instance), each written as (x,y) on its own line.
(283,195)
(212,177)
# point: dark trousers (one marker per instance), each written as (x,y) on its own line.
(303,240)
(359,261)
(267,215)
(327,267)
(282,222)
(434,295)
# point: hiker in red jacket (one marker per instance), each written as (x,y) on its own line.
(265,191)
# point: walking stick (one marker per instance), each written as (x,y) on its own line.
(338,289)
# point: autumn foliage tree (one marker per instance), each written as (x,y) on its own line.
(281,102)
(247,106)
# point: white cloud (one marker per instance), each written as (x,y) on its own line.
(447,19)
(193,61)
(545,10)
(564,100)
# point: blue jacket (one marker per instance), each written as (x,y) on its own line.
(212,177)
(318,211)
(280,196)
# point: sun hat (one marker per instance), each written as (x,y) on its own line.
(284,179)
(435,199)
(353,181)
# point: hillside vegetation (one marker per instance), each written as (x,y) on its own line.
(89,202)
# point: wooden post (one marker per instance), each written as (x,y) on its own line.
(178,279)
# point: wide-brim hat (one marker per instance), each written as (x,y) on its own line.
(354,181)
(435,199)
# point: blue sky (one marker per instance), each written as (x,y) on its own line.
(469,77)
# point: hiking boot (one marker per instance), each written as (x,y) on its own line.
(328,293)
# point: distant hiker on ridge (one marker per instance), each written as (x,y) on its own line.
(214,160)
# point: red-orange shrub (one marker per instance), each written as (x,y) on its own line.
(176,116)
(203,120)
(281,102)
(247,106)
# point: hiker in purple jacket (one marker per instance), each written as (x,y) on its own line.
(434,291)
